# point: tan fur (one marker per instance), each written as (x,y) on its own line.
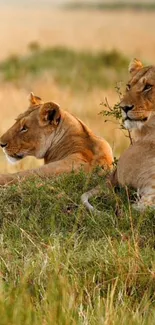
(63,141)
(136,167)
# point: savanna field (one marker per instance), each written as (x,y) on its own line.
(59,264)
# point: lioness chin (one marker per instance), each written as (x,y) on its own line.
(47,132)
(136,166)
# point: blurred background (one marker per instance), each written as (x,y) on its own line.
(71,52)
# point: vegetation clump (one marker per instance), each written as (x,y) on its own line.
(112,5)
(78,70)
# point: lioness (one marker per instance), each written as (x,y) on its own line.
(136,166)
(46,131)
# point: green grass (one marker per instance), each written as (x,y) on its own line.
(78,70)
(62,265)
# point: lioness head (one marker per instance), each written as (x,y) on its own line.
(138,103)
(33,131)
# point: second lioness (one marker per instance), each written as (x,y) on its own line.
(136,165)
(62,140)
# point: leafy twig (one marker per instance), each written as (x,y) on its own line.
(115,112)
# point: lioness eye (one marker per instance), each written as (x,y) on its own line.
(147,87)
(128,87)
(23,129)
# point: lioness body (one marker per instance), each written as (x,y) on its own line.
(63,141)
(136,166)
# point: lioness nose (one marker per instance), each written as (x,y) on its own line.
(3,145)
(127,108)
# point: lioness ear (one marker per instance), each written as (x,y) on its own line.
(35,100)
(134,66)
(49,114)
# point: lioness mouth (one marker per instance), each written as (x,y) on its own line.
(13,159)
(134,120)
(18,157)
